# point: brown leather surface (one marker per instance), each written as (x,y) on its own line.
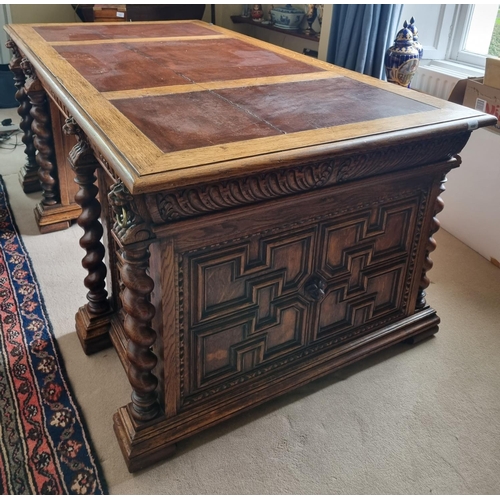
(196,119)
(221,59)
(128,30)
(115,67)
(134,65)
(293,107)
(192,120)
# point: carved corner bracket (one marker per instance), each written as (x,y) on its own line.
(17,57)
(33,83)
(131,225)
(81,153)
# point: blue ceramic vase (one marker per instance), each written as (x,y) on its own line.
(417,44)
(402,59)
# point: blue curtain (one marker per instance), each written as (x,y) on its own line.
(360,36)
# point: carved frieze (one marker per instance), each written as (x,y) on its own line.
(191,202)
(215,197)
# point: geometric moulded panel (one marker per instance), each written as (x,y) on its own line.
(267,299)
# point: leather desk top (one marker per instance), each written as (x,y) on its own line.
(170,104)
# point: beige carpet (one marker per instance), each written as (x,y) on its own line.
(410,420)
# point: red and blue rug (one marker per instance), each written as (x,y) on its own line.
(44,448)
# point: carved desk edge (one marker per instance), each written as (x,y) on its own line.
(109,158)
(169,206)
(134,216)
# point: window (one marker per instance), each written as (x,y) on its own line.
(453,35)
(476,33)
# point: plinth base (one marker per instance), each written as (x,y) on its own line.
(138,452)
(93,331)
(29,180)
(143,444)
(55,217)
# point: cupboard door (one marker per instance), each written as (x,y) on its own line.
(364,263)
(256,303)
(247,307)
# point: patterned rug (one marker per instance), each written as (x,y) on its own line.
(44,448)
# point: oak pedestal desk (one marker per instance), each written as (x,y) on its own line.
(267,217)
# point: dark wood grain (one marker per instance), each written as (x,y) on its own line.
(28,174)
(42,135)
(139,312)
(430,247)
(93,319)
(268,217)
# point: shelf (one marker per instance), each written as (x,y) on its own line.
(296,33)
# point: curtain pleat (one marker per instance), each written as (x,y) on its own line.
(360,36)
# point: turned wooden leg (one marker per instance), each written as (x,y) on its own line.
(28,175)
(42,139)
(431,246)
(48,212)
(424,280)
(93,319)
(139,313)
(91,240)
(132,423)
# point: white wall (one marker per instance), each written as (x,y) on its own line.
(433,22)
(472,197)
(43,13)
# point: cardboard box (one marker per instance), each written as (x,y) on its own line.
(492,72)
(110,13)
(483,98)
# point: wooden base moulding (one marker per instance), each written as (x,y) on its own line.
(29,180)
(55,218)
(146,444)
(93,331)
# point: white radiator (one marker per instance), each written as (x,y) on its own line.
(434,82)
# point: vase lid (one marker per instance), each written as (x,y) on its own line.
(413,29)
(404,36)
(288,9)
